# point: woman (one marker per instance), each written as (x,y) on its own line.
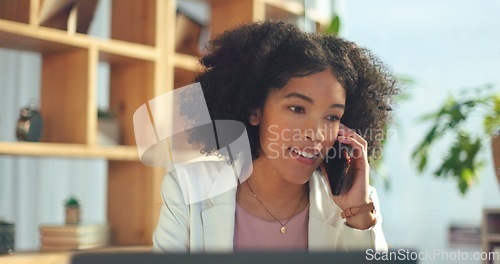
(297,94)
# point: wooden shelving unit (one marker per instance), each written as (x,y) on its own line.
(142,60)
(491,232)
(143,65)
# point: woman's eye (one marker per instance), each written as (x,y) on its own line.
(297,109)
(333,118)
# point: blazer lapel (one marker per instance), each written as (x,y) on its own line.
(218,222)
(322,212)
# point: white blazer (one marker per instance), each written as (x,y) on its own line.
(198,212)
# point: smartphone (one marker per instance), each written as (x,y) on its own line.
(336,167)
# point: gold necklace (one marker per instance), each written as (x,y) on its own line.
(283,228)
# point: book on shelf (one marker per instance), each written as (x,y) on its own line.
(77,240)
(73,230)
(73,237)
(68,247)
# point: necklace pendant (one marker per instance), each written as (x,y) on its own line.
(283,229)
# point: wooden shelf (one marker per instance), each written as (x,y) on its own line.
(493,238)
(20,36)
(490,230)
(125,153)
(186,62)
(117,51)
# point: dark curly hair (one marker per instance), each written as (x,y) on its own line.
(370,88)
(242,65)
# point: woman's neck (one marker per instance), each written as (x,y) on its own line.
(272,187)
(274,194)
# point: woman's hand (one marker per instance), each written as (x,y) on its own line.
(359,169)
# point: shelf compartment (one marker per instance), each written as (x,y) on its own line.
(492,221)
(134,22)
(40,149)
(131,85)
(228,14)
(290,11)
(15,10)
(284,10)
(186,68)
(132,209)
(66,98)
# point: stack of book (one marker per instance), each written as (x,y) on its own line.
(73,237)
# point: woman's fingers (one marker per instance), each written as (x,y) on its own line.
(347,132)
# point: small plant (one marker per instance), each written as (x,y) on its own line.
(461,160)
(72,202)
(72,210)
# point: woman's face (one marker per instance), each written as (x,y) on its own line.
(298,124)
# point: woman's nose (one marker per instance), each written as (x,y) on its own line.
(315,133)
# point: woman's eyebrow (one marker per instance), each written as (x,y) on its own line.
(311,101)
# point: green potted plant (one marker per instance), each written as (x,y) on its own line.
(72,210)
(462,160)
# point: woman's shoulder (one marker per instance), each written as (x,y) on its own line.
(200,180)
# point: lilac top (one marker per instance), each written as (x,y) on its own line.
(253,233)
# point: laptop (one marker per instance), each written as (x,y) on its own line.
(242,258)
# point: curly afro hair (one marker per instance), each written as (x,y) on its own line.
(370,88)
(242,65)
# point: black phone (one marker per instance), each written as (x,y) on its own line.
(336,167)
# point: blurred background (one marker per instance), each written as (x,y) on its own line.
(439,47)
(444,47)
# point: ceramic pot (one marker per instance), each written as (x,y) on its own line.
(6,238)
(495,146)
(72,215)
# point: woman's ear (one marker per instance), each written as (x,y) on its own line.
(255,116)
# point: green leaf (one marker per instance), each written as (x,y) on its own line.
(334,26)
(491,122)
(463,160)
(72,201)
(422,163)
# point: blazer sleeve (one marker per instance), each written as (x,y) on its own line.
(373,237)
(172,231)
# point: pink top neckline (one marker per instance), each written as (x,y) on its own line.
(255,234)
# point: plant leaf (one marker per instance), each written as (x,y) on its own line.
(334,26)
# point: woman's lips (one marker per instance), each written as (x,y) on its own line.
(304,157)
